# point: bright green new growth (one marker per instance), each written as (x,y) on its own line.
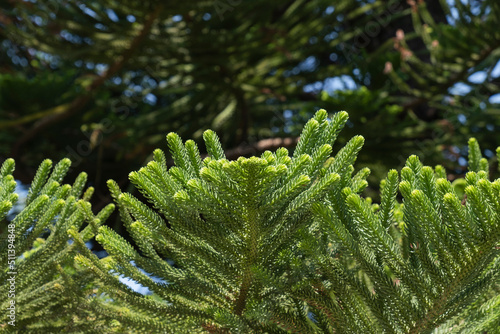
(446,256)
(7,187)
(37,257)
(269,244)
(223,224)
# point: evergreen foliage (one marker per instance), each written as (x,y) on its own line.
(114,77)
(38,271)
(281,243)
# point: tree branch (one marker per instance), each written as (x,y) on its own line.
(78,103)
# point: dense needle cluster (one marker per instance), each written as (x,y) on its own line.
(281,243)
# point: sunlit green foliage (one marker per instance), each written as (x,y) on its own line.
(50,294)
(281,243)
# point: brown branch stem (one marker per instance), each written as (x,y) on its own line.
(459,76)
(79,102)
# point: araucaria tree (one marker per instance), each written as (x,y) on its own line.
(273,244)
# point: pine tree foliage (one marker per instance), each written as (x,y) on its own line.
(422,72)
(281,243)
(37,274)
(223,224)
(7,196)
(416,273)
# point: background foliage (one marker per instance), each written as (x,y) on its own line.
(101,82)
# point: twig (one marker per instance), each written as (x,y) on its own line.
(78,103)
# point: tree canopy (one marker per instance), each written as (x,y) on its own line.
(102,82)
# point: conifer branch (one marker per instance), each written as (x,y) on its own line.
(78,103)
(275,243)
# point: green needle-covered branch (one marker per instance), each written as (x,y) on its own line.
(281,243)
(41,289)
